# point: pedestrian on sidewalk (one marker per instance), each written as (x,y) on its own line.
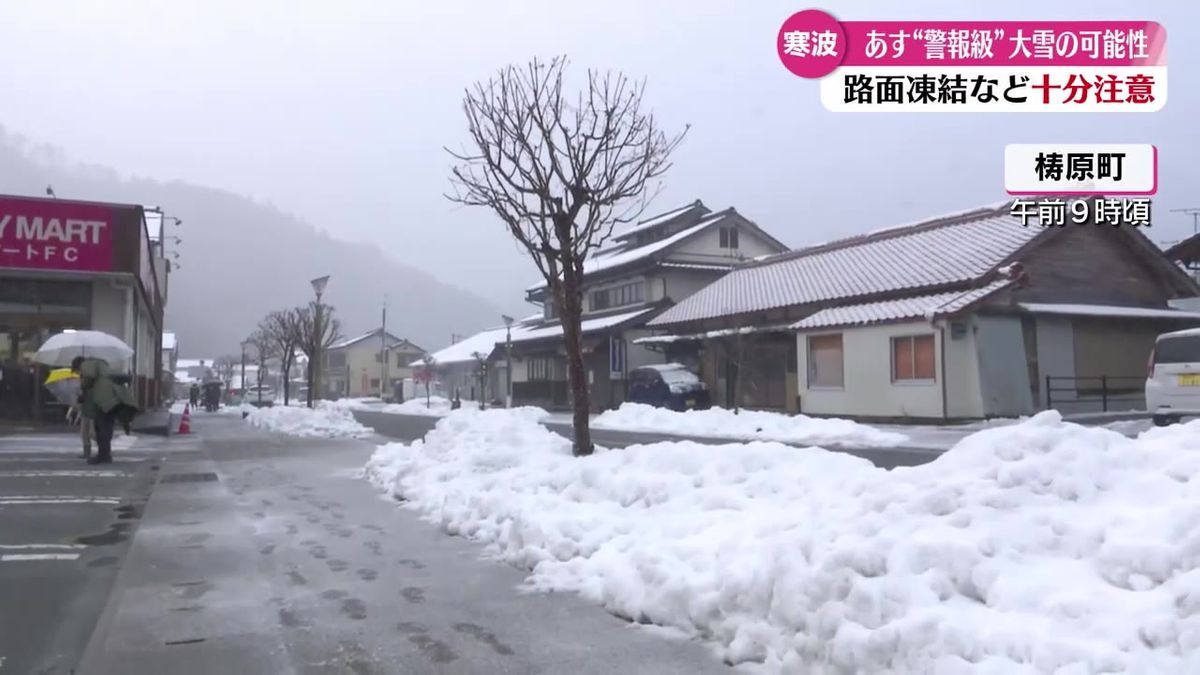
(104,402)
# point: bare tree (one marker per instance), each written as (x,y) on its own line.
(313,338)
(224,368)
(425,373)
(481,374)
(264,348)
(561,173)
(282,330)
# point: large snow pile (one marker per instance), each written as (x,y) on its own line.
(1037,547)
(322,421)
(746,425)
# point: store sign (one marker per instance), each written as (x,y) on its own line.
(37,234)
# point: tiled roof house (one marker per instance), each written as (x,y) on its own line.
(960,316)
(648,267)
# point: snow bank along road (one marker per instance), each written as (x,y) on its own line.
(64,529)
(412,427)
(1040,547)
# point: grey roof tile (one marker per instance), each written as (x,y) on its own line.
(935,253)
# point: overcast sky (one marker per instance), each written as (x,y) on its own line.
(338,111)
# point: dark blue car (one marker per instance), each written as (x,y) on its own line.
(670,385)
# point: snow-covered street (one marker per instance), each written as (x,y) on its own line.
(1040,546)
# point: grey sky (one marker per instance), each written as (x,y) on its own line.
(338,111)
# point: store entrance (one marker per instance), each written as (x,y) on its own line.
(30,312)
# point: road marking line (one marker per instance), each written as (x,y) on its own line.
(24,501)
(26,557)
(65,473)
(25,547)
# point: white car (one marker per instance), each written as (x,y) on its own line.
(1173,377)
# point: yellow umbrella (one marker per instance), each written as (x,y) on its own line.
(61,374)
(64,384)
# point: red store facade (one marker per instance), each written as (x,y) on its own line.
(75,265)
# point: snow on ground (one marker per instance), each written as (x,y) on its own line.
(1041,546)
(322,421)
(746,425)
(435,407)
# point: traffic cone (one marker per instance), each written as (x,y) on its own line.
(185,424)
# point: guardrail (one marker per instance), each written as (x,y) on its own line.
(1127,391)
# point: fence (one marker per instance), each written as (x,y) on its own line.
(1101,392)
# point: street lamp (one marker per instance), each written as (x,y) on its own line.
(508,322)
(245,344)
(318,286)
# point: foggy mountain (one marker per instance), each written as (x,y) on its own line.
(240,259)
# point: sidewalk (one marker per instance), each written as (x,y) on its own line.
(186,600)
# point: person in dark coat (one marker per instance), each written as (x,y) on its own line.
(194,395)
(105,401)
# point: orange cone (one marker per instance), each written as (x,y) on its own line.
(185,424)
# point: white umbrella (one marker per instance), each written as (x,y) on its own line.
(60,349)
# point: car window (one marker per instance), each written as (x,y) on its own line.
(1181,349)
(678,376)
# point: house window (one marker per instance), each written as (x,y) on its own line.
(336,360)
(374,383)
(729,237)
(378,358)
(538,368)
(618,296)
(912,358)
(825,361)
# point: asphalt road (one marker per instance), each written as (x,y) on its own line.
(64,530)
(288,561)
(412,427)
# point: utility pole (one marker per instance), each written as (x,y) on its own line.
(383,355)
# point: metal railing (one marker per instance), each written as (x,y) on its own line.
(1106,390)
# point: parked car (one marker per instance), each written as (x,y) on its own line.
(251,396)
(1173,377)
(669,385)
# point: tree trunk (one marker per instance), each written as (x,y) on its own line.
(572,317)
(309,398)
(287,380)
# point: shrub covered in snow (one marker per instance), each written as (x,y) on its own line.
(323,421)
(1037,547)
(746,425)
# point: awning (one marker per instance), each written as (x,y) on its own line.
(712,334)
(588,326)
(1111,311)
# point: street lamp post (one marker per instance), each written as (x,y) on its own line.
(508,322)
(245,343)
(318,286)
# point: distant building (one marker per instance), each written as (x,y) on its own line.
(356,366)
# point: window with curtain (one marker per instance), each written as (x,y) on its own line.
(825,361)
(913,358)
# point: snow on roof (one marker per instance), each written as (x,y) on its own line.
(935,253)
(168,340)
(483,342)
(917,307)
(661,219)
(588,325)
(193,363)
(621,254)
(355,340)
(1109,311)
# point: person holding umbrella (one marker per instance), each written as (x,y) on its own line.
(104,401)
